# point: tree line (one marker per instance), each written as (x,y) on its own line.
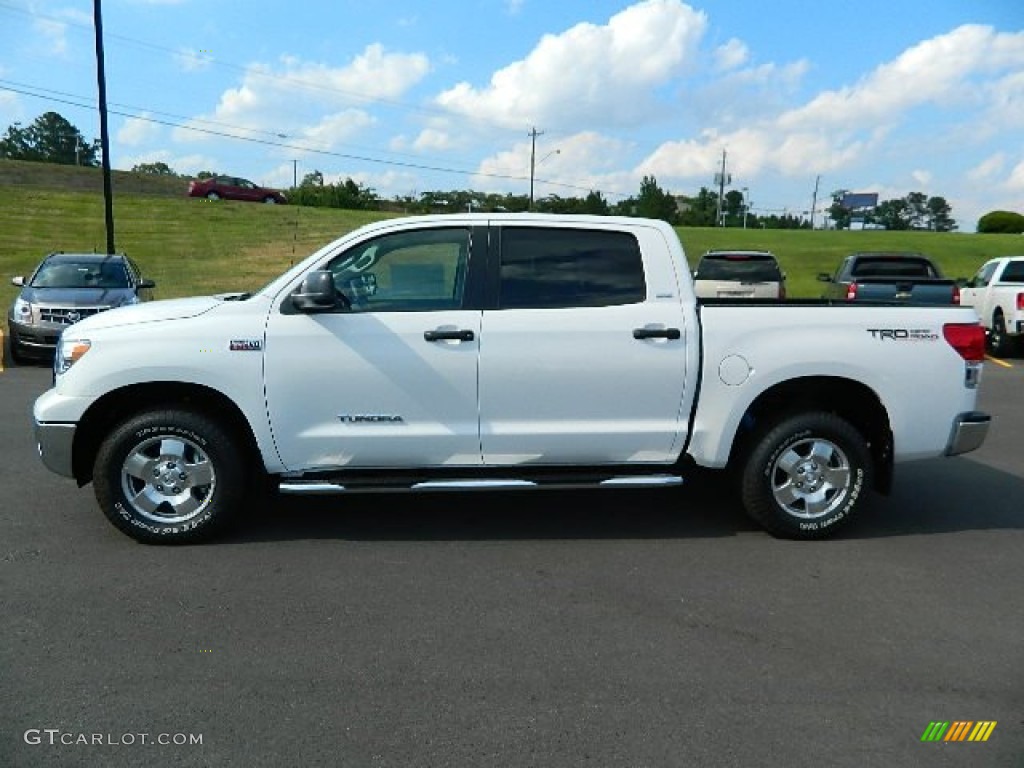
(51,138)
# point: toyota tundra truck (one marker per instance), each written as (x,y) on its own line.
(507,351)
(997,294)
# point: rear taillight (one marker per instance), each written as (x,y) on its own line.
(1020,302)
(782,292)
(956,294)
(968,339)
(851,292)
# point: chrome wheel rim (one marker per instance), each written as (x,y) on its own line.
(811,478)
(168,479)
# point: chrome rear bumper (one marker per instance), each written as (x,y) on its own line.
(969,432)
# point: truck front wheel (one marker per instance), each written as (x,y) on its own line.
(169,476)
(806,475)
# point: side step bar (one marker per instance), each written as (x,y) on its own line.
(320,487)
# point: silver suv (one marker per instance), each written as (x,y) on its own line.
(65,288)
(739,275)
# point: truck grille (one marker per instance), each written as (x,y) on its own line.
(67,315)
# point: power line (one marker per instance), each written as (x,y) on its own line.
(80,102)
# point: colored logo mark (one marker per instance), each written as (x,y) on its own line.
(959,730)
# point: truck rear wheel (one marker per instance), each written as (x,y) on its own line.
(168,477)
(999,343)
(806,475)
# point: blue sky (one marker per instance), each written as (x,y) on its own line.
(407,97)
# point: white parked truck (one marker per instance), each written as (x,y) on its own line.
(997,294)
(502,351)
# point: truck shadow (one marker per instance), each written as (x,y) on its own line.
(940,496)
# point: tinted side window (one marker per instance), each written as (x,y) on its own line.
(1013,273)
(551,268)
(407,271)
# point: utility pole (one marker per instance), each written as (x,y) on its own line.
(101,80)
(722,178)
(814,200)
(295,174)
(534,133)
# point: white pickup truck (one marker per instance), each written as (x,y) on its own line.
(997,295)
(502,351)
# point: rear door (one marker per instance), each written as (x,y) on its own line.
(583,358)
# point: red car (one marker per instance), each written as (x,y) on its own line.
(233,188)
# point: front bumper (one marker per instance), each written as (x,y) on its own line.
(54,443)
(38,339)
(968,433)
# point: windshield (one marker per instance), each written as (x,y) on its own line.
(80,275)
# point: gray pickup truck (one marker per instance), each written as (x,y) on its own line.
(910,278)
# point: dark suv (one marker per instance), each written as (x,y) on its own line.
(65,288)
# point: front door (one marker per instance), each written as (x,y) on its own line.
(390,381)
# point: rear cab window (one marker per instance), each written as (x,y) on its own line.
(893,266)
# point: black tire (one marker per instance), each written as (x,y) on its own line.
(169,477)
(999,344)
(805,476)
(212,196)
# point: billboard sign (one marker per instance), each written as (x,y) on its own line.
(853,201)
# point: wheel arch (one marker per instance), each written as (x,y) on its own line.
(851,400)
(125,402)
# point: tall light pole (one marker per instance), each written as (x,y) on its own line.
(101,81)
(746,207)
(721,179)
(534,133)
(814,200)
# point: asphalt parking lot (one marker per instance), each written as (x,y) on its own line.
(610,628)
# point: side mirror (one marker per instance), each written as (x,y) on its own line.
(18,281)
(316,293)
(824,278)
(146,284)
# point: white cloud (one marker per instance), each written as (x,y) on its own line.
(188,165)
(54,34)
(934,71)
(575,165)
(337,128)
(513,7)
(190,60)
(589,73)
(923,178)
(731,55)
(291,99)
(988,168)
(432,139)
(1015,181)
(136,131)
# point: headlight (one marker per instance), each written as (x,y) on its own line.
(23,311)
(69,352)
